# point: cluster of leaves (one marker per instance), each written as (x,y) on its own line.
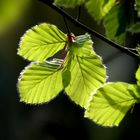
(111,12)
(80,72)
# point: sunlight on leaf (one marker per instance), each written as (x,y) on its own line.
(40,82)
(138,76)
(111,102)
(115,24)
(69,3)
(82,46)
(87,73)
(99,8)
(42,42)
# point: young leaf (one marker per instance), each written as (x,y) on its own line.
(40,82)
(138,76)
(99,8)
(111,102)
(115,23)
(69,3)
(82,46)
(135,28)
(87,72)
(42,42)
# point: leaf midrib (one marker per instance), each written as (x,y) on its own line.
(82,74)
(116,103)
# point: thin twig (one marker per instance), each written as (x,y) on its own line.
(89,30)
(66,24)
(78,13)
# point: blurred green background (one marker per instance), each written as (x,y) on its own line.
(60,119)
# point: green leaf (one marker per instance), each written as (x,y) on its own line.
(135,28)
(42,42)
(69,3)
(66,74)
(138,76)
(82,46)
(87,72)
(111,102)
(115,24)
(40,82)
(137,6)
(99,8)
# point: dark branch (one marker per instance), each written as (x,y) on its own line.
(89,30)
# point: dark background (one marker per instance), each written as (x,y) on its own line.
(60,119)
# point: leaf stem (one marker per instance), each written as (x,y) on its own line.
(89,30)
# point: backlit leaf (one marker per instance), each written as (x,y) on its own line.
(115,24)
(138,76)
(82,46)
(111,102)
(40,82)
(42,42)
(69,3)
(99,8)
(87,73)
